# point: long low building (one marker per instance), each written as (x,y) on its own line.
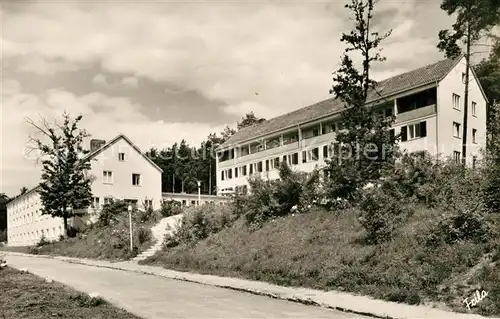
(427,103)
(186,199)
(119,171)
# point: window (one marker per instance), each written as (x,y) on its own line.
(107,177)
(148,203)
(414,131)
(474,161)
(136,179)
(267,165)
(259,167)
(310,155)
(473,107)
(295,158)
(244,170)
(456,101)
(456,129)
(229,173)
(463,77)
(235,172)
(121,157)
(474,135)
(456,156)
(222,175)
(107,200)
(325,151)
(251,169)
(328,127)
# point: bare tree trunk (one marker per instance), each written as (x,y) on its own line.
(210,177)
(65,222)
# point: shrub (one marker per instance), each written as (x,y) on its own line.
(465,224)
(43,241)
(143,235)
(198,222)
(170,208)
(3,235)
(293,192)
(110,211)
(380,214)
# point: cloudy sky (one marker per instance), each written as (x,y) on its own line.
(160,71)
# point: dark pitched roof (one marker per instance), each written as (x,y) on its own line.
(99,150)
(113,141)
(391,86)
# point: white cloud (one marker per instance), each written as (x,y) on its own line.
(131,81)
(227,51)
(116,115)
(100,79)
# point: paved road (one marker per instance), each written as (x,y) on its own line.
(154,297)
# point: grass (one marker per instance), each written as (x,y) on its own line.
(325,250)
(25,295)
(100,242)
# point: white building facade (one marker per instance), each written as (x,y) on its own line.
(428,104)
(119,171)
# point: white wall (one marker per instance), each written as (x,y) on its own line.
(452,83)
(121,186)
(26,225)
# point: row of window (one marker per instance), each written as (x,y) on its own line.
(107,178)
(457,132)
(310,155)
(457,105)
(48,232)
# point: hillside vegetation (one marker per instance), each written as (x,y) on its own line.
(108,238)
(423,235)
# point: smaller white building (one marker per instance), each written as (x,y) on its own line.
(119,171)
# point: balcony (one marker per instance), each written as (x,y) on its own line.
(416,114)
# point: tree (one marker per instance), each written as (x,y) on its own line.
(4,199)
(248,120)
(363,130)
(474,19)
(488,72)
(65,186)
(23,190)
(227,133)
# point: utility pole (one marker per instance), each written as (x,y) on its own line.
(466,94)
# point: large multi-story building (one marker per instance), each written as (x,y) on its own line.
(427,103)
(119,170)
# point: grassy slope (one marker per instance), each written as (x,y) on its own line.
(25,295)
(111,242)
(325,251)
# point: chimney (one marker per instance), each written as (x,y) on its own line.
(96,144)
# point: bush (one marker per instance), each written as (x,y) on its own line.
(170,208)
(110,211)
(3,235)
(293,192)
(380,214)
(43,241)
(466,224)
(198,222)
(143,235)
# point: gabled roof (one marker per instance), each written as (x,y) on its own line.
(391,86)
(98,151)
(113,141)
